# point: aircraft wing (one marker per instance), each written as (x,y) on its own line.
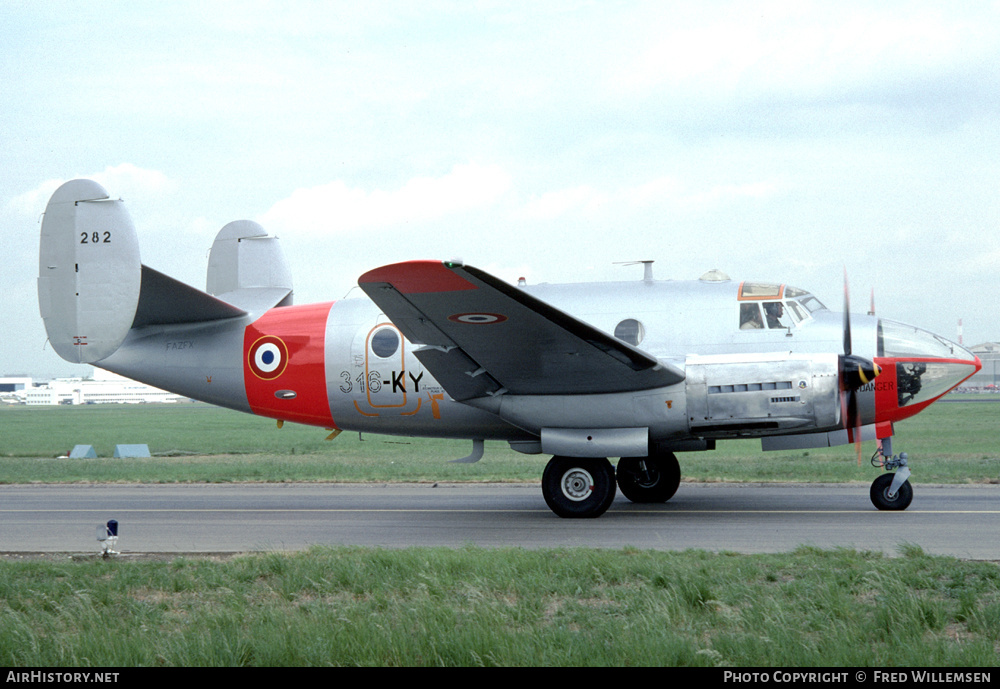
(482,336)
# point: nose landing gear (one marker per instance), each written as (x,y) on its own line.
(891,491)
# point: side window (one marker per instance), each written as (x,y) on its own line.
(775,316)
(750,318)
(631,331)
(385,342)
(798,313)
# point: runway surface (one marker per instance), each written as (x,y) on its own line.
(961,521)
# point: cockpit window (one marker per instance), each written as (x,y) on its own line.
(765,315)
(750,318)
(775,315)
(798,313)
(765,306)
(759,290)
(812,303)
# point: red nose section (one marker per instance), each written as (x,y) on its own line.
(908,385)
(284,367)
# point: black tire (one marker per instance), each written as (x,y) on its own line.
(880,494)
(649,479)
(578,488)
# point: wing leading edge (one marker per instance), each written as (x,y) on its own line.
(482,336)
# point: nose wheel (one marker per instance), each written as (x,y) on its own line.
(885,497)
(891,491)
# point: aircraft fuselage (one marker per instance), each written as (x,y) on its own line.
(344,365)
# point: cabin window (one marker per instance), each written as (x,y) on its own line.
(385,343)
(630,331)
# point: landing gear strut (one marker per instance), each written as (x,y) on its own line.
(649,479)
(891,491)
(576,487)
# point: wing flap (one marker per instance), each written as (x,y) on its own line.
(525,345)
(462,377)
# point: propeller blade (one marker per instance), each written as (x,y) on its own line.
(847,317)
(855,372)
(856,425)
(849,414)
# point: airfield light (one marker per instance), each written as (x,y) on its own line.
(107,536)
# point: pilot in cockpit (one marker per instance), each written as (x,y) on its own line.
(750,317)
(774,311)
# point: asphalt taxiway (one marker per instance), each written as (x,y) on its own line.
(960,521)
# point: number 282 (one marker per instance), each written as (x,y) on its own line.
(95,237)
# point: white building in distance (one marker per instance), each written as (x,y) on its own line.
(104,388)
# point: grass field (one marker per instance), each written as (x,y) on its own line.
(468,607)
(948,443)
(472,606)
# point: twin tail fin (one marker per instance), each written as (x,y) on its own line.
(93,288)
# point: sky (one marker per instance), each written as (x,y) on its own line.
(783,141)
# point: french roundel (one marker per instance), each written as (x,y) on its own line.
(477,318)
(268,357)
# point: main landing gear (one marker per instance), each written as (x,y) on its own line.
(891,491)
(582,487)
(649,479)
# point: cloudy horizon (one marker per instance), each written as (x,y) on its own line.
(781,141)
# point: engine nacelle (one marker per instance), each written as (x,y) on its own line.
(751,395)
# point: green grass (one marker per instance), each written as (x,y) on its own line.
(467,607)
(948,443)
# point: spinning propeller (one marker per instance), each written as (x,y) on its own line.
(855,371)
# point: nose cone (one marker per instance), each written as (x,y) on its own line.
(923,367)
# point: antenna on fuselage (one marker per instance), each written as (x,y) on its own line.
(647,268)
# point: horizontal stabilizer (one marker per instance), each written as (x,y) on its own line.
(166,301)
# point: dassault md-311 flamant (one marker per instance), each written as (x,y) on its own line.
(636,370)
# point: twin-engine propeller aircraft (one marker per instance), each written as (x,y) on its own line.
(636,370)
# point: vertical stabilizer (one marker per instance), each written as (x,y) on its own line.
(245,257)
(89,273)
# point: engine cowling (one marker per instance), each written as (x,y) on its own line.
(753,395)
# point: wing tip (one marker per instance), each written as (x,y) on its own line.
(418,277)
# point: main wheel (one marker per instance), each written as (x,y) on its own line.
(649,479)
(575,487)
(881,498)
